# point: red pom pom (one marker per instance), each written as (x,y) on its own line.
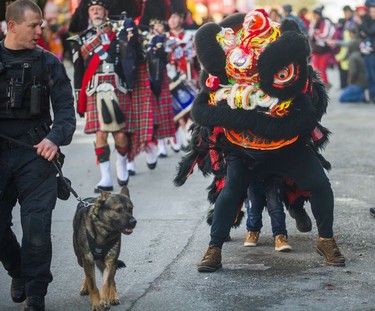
(212,82)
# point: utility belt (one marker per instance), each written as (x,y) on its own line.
(32,137)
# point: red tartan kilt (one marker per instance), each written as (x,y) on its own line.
(92,118)
(163,111)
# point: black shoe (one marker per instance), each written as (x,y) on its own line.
(99,189)
(163,155)
(151,166)
(131,172)
(372,211)
(303,221)
(35,303)
(123,182)
(17,290)
(176,150)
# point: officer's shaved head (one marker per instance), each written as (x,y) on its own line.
(16,10)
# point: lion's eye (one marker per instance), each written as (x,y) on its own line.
(285,76)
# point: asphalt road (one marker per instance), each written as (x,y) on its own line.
(172,235)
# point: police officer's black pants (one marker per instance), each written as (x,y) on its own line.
(299,163)
(31,180)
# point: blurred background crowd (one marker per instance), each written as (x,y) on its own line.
(342,38)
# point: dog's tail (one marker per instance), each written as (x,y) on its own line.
(120,264)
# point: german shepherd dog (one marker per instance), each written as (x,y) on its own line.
(97,232)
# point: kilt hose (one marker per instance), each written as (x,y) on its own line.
(144,113)
(136,107)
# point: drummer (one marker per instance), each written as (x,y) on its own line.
(161,98)
(181,62)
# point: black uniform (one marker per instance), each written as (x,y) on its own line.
(31,80)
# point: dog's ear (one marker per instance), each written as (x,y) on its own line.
(125,191)
(104,195)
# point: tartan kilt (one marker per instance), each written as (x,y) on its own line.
(92,118)
(163,111)
(142,121)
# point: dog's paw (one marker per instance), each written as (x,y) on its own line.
(104,305)
(100,307)
(114,301)
(84,291)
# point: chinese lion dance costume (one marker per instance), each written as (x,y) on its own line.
(258,95)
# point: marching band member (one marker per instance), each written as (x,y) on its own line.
(154,19)
(181,64)
(161,98)
(111,89)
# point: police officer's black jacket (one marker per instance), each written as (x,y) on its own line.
(22,70)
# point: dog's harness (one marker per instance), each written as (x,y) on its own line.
(99,251)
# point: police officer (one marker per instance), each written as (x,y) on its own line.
(30,79)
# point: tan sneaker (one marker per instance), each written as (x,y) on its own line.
(211,260)
(328,248)
(251,238)
(281,243)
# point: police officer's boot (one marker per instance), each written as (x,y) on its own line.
(17,289)
(10,257)
(35,303)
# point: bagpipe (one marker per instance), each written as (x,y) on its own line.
(131,50)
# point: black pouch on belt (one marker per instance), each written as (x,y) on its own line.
(63,190)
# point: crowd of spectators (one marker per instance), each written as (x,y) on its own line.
(348,44)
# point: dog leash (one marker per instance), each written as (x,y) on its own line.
(56,164)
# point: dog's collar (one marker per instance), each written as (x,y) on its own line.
(99,251)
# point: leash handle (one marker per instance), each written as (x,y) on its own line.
(58,168)
(55,162)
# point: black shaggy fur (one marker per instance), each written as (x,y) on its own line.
(310,101)
(210,54)
(290,47)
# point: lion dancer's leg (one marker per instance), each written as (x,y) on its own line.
(121,145)
(102,152)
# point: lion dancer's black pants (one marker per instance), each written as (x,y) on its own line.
(32,180)
(299,163)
